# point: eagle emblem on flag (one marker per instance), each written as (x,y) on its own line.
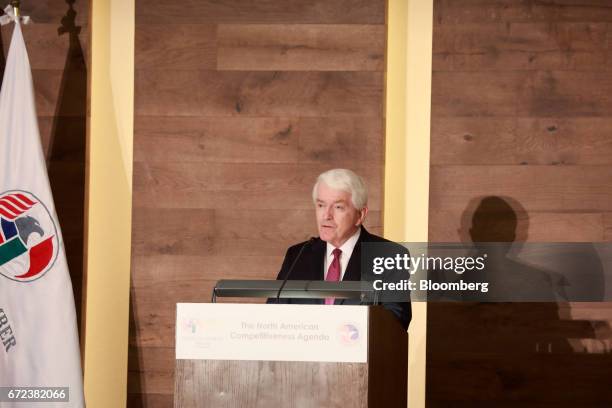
(28,237)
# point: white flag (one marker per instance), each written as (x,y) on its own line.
(38,335)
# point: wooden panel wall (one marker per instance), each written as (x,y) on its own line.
(521,111)
(57,44)
(239,106)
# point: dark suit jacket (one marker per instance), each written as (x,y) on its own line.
(311,266)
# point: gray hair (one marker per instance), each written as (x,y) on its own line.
(344,180)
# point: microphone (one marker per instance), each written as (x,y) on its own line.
(282,286)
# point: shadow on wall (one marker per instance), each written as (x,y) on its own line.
(66,152)
(136,378)
(505,221)
(512,354)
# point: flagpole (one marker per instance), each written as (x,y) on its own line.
(15,4)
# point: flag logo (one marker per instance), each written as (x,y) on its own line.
(28,236)
(348,334)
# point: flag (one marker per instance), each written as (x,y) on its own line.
(39,344)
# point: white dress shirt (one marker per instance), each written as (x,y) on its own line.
(347,251)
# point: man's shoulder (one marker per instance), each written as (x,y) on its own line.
(369,237)
(380,242)
(312,242)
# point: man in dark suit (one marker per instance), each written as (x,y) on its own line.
(340,199)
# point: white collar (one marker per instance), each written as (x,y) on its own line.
(347,247)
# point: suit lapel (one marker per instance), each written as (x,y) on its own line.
(318,263)
(318,258)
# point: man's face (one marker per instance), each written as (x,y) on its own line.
(337,218)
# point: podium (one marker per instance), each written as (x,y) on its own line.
(255,355)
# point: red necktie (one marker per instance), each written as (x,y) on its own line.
(333,273)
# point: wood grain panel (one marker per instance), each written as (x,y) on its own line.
(522,140)
(504,11)
(278,200)
(197,139)
(341,142)
(521,112)
(185,46)
(566,93)
(165,231)
(442,62)
(292,93)
(155,302)
(573,140)
(607,227)
(521,37)
(238,107)
(477,94)
(239,186)
(336,141)
(152,330)
(481,11)
(313,47)
(246,11)
(560,227)
(259,383)
(283,200)
(474,140)
(239,178)
(169,268)
(164,93)
(521,60)
(514,93)
(537,188)
(522,46)
(452,226)
(225,93)
(269,226)
(220,232)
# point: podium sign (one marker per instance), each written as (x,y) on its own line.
(258,332)
(306,356)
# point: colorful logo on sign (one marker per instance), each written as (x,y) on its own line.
(348,334)
(28,237)
(191,325)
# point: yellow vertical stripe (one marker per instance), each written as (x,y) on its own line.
(109,203)
(408,111)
